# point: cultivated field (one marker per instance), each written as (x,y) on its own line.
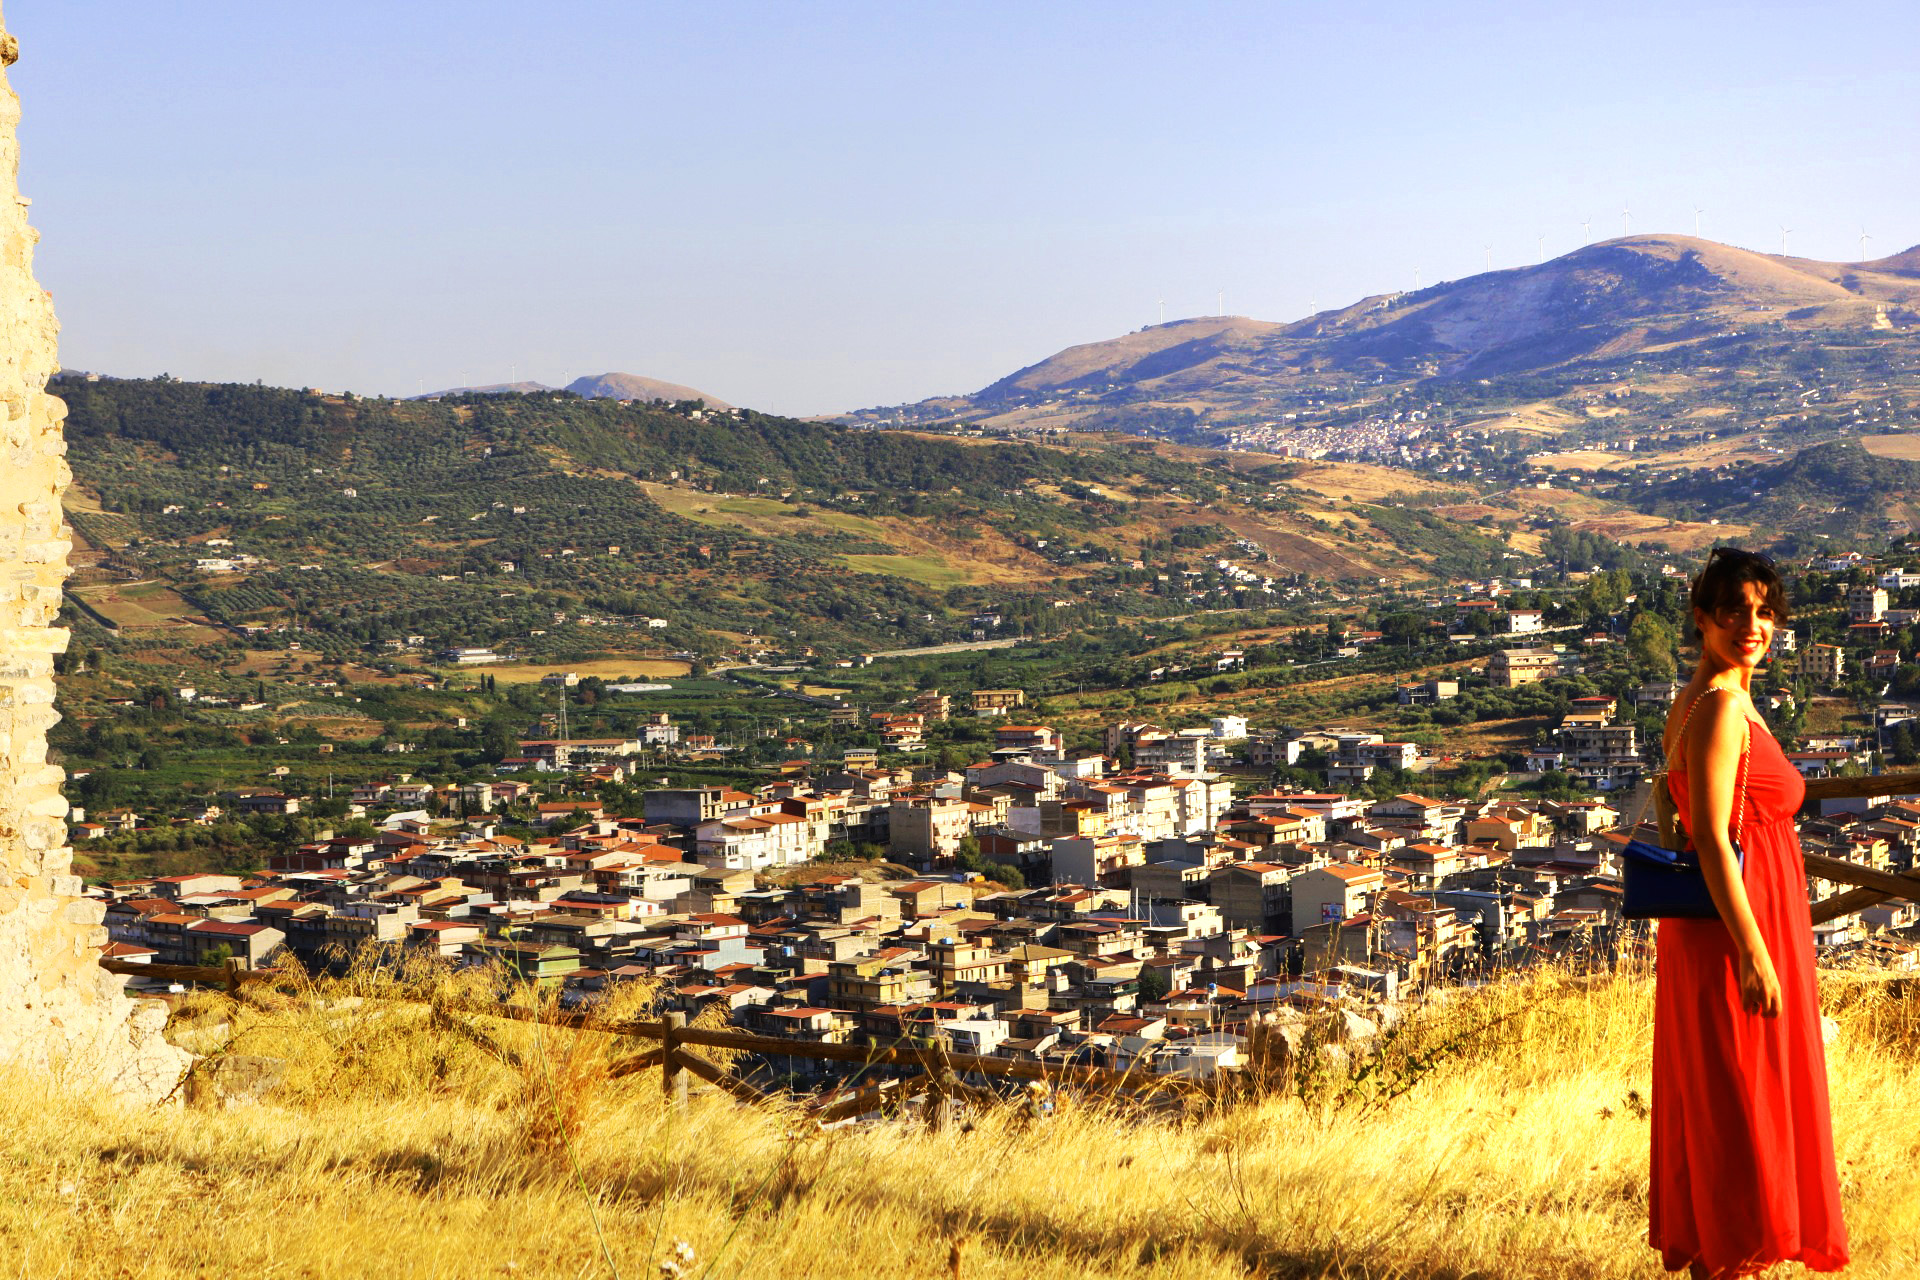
(137,605)
(933,571)
(920,552)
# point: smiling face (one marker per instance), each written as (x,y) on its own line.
(1740,631)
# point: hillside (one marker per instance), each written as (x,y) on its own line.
(1506,1136)
(566,527)
(1684,325)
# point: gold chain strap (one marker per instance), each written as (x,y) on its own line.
(1680,741)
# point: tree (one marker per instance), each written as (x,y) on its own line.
(1605,592)
(1906,750)
(1650,644)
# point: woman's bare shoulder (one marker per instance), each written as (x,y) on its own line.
(1711,712)
(1720,716)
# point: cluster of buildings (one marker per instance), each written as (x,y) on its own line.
(1161,938)
(1168,914)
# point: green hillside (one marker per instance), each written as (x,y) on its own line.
(563,526)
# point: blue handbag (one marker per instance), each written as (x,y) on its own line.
(1659,883)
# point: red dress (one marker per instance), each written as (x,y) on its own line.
(1742,1168)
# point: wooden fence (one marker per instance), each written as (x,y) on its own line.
(938,1076)
(1871,886)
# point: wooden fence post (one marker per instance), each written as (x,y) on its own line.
(940,1099)
(673,1076)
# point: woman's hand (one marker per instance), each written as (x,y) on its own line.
(1759,986)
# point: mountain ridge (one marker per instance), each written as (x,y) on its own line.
(1605,303)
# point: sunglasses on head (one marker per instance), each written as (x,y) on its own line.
(1737,555)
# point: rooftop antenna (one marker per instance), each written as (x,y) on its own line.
(1626,220)
(1697,211)
(1785,231)
(1864,237)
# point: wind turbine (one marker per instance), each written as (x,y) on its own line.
(1785,231)
(1163,311)
(1416,279)
(1626,220)
(1697,211)
(1540,249)
(1220,303)
(1586,231)
(1489,249)
(1864,237)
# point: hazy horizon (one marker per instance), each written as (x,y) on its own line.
(817,209)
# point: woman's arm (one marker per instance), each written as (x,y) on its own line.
(1715,742)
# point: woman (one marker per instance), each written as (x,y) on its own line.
(1742,1169)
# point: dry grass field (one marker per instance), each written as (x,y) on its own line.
(605,668)
(1503,1134)
(134,606)
(1904,447)
(1586,460)
(1363,483)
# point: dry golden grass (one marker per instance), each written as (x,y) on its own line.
(605,668)
(1905,447)
(1364,483)
(399,1147)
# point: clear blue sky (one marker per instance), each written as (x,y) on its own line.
(811,207)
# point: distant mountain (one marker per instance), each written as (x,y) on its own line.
(1579,318)
(631,386)
(490,389)
(601,386)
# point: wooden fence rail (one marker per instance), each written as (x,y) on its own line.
(1873,887)
(940,1067)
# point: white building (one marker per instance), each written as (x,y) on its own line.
(1228,728)
(742,843)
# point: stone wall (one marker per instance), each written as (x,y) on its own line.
(61,1015)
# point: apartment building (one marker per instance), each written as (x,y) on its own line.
(1511,668)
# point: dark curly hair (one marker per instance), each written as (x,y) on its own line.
(1728,571)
